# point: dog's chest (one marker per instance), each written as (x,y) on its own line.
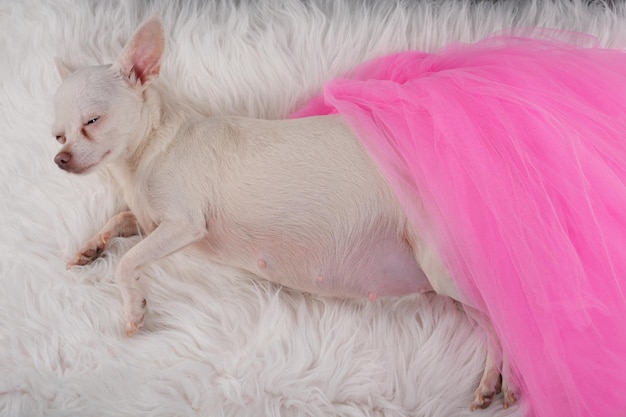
(147,217)
(137,197)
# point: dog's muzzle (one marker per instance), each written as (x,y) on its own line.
(62,159)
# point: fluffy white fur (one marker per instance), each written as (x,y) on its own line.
(217,342)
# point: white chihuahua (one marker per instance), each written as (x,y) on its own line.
(297,202)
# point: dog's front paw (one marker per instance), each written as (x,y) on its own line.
(134,315)
(92,250)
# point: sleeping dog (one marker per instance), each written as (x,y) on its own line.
(297,202)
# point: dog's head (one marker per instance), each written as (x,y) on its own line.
(100,110)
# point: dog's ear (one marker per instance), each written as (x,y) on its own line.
(62,68)
(140,60)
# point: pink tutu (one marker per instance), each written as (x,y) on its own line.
(516,149)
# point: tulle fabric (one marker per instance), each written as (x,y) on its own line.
(509,156)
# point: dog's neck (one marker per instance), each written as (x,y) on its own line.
(152,118)
(161,120)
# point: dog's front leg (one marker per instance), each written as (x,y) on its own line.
(123,224)
(167,238)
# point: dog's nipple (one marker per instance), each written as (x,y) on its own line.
(261,263)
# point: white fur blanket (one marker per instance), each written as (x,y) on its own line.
(216,341)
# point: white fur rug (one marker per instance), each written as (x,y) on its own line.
(217,342)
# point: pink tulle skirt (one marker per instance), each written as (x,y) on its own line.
(516,150)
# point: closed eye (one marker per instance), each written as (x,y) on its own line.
(92,121)
(60,139)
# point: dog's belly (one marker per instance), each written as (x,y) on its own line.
(371,267)
(382,268)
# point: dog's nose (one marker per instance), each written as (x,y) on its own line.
(62,159)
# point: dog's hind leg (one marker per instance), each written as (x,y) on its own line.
(491,381)
(489,386)
(497,375)
(509,389)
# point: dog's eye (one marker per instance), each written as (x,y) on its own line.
(92,121)
(60,139)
